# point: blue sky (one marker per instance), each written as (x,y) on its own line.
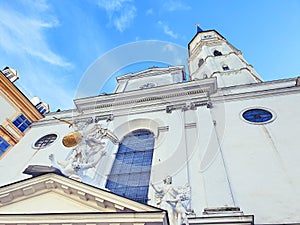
(53,43)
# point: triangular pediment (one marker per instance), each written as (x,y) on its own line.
(51,193)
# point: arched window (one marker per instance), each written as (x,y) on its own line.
(130,173)
(217,53)
(225,67)
(201,61)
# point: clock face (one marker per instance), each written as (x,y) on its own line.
(257,115)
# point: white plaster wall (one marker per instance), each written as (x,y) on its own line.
(55,203)
(23,153)
(7,110)
(263,160)
(135,84)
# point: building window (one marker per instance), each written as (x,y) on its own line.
(130,173)
(225,67)
(45,141)
(41,109)
(201,61)
(4,145)
(21,122)
(257,115)
(217,53)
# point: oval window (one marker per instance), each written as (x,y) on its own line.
(45,141)
(257,115)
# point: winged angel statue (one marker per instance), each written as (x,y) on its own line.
(87,153)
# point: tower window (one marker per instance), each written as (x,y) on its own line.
(217,53)
(225,67)
(4,145)
(130,173)
(201,61)
(21,122)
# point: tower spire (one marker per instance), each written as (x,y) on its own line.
(198,28)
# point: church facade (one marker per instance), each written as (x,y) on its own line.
(220,148)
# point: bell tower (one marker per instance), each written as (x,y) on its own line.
(211,55)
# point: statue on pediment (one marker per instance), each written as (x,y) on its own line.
(173,200)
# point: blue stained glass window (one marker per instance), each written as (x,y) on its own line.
(4,145)
(21,122)
(130,174)
(257,115)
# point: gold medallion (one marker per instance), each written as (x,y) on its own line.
(72,139)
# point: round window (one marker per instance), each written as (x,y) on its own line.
(257,115)
(45,141)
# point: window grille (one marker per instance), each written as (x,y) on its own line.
(130,173)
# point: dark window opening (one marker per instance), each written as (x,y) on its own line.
(217,53)
(201,61)
(130,173)
(225,67)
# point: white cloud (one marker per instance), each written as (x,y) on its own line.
(121,13)
(39,5)
(149,12)
(174,5)
(167,30)
(25,34)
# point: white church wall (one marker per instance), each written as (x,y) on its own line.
(262,159)
(24,154)
(136,84)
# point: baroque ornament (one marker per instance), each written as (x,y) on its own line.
(88,149)
(173,199)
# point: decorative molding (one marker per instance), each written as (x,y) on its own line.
(87,120)
(259,90)
(223,219)
(108,117)
(18,99)
(171,108)
(145,97)
(163,129)
(156,71)
(158,217)
(190,125)
(77,191)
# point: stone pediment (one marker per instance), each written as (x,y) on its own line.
(57,198)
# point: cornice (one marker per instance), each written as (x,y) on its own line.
(145,98)
(185,99)
(91,196)
(19,99)
(225,219)
(259,90)
(133,218)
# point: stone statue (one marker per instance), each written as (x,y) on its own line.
(172,199)
(87,153)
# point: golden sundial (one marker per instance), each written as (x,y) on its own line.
(94,135)
(72,139)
